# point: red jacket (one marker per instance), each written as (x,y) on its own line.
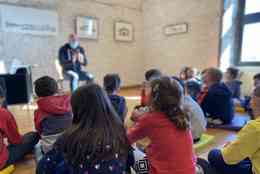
(170,151)
(8,130)
(49,106)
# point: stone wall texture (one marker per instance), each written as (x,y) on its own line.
(151,48)
(105,55)
(198,47)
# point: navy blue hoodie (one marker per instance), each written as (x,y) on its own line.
(218,103)
(119,104)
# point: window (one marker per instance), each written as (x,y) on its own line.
(249,29)
(252,6)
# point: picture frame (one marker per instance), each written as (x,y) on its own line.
(176,29)
(123,31)
(87,27)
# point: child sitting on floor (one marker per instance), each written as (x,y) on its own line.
(18,146)
(232,82)
(112,83)
(53,115)
(167,126)
(242,156)
(215,98)
(95,144)
(197,118)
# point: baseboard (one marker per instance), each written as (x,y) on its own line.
(131,86)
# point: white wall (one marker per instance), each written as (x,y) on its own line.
(198,48)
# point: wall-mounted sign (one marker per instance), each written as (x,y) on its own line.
(87,27)
(176,29)
(28,20)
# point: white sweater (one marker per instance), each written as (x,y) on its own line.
(197,117)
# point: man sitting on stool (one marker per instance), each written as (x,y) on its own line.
(72,57)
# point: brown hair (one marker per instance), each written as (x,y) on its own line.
(97,133)
(215,74)
(166,97)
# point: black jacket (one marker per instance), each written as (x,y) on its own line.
(65,58)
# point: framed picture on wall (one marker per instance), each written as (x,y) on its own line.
(123,31)
(176,29)
(87,27)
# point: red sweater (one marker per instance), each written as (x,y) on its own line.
(9,130)
(170,151)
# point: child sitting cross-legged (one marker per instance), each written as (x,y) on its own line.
(197,118)
(168,128)
(112,83)
(16,146)
(232,82)
(53,115)
(215,98)
(241,156)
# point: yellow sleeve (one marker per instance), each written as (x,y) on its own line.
(246,144)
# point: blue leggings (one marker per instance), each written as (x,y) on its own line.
(216,160)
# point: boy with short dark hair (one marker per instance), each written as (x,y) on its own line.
(152,74)
(215,98)
(53,115)
(232,82)
(112,83)
(18,146)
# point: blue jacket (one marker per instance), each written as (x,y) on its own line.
(235,87)
(218,103)
(119,104)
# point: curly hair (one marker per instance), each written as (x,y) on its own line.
(166,97)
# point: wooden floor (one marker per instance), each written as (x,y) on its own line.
(24,117)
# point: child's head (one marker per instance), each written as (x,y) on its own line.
(152,74)
(187,73)
(232,74)
(96,124)
(2,96)
(192,88)
(256,79)
(112,83)
(211,76)
(166,96)
(255,102)
(45,86)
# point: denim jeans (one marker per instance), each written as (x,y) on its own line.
(18,151)
(75,77)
